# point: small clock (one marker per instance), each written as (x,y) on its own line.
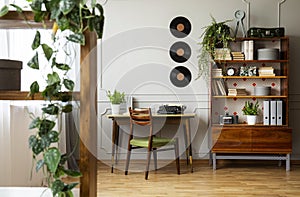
(231,71)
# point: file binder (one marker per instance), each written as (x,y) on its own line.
(273,112)
(279,112)
(266,113)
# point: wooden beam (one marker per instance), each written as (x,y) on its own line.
(16,20)
(88,117)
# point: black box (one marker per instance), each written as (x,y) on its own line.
(10,74)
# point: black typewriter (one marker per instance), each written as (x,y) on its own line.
(171,109)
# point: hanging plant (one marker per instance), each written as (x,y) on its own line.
(216,35)
(76,17)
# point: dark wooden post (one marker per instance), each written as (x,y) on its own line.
(88,117)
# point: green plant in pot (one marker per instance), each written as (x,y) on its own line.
(251,110)
(215,35)
(71,20)
(116,98)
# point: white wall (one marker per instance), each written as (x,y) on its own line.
(135,59)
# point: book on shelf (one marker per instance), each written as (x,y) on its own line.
(237,55)
(216,72)
(248,49)
(266,71)
(237,92)
(218,88)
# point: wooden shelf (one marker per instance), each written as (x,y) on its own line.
(251,61)
(239,39)
(251,77)
(246,125)
(15,20)
(253,96)
(23,95)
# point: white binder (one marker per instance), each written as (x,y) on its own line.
(273,112)
(266,112)
(279,112)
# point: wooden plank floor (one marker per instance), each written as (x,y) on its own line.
(232,178)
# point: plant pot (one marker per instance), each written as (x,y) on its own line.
(251,119)
(115,108)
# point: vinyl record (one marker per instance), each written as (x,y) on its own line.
(180,27)
(180,76)
(180,52)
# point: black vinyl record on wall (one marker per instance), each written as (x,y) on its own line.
(180,52)
(180,27)
(180,76)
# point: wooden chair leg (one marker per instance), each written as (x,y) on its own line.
(148,164)
(176,147)
(155,158)
(128,159)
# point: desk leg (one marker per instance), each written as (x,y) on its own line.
(114,142)
(189,140)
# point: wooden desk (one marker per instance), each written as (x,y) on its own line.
(120,119)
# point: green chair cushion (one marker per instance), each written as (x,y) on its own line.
(157,142)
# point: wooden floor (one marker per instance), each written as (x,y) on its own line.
(232,178)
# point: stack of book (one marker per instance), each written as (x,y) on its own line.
(266,71)
(237,92)
(218,88)
(222,54)
(238,55)
(216,72)
(247,48)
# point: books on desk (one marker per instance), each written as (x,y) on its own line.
(222,54)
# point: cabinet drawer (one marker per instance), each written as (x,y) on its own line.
(231,140)
(275,140)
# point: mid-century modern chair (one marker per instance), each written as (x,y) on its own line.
(143,117)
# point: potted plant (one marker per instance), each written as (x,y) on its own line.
(116,99)
(71,19)
(251,111)
(215,35)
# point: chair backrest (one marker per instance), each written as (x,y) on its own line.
(140,116)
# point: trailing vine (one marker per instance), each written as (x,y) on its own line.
(71,18)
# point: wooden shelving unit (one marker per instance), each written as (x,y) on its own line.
(88,119)
(242,141)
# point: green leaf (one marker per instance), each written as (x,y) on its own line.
(63,66)
(57,187)
(48,51)
(18,9)
(63,23)
(36,5)
(51,109)
(53,78)
(46,126)
(77,38)
(72,173)
(37,41)
(34,88)
(67,108)
(39,165)
(35,123)
(36,144)
(51,159)
(34,62)
(51,91)
(98,23)
(53,136)
(66,6)
(69,84)
(4,10)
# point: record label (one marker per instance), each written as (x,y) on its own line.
(180,52)
(180,27)
(180,76)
